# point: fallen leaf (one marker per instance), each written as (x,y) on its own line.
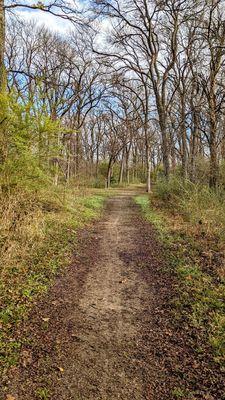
(26,358)
(10,397)
(60,369)
(45,319)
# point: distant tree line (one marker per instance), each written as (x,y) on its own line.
(147,97)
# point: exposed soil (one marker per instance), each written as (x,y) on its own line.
(105,329)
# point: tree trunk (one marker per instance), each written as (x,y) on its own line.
(135,163)
(97,161)
(163,117)
(77,160)
(172,152)
(2,44)
(213,165)
(121,169)
(165,147)
(109,178)
(212,140)
(109,174)
(127,164)
(68,169)
(148,161)
(183,141)
(223,142)
(193,150)
(56,175)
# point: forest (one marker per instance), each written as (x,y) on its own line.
(112,112)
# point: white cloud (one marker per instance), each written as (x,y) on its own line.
(43,18)
(104,27)
(61,25)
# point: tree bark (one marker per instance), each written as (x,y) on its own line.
(97,161)
(148,161)
(2,44)
(109,174)
(183,141)
(165,147)
(212,141)
(121,169)
(213,158)
(194,144)
(127,163)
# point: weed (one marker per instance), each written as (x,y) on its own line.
(178,393)
(43,393)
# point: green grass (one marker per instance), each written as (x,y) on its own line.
(43,394)
(153,217)
(37,239)
(201,296)
(179,393)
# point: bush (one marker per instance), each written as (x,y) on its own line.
(197,203)
(171,190)
(28,143)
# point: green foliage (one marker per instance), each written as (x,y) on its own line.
(103,167)
(43,394)
(172,189)
(179,393)
(28,142)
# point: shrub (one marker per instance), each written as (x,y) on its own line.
(198,204)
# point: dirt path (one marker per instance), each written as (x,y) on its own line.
(96,334)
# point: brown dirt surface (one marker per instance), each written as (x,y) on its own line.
(104,330)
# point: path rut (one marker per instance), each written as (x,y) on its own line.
(110,310)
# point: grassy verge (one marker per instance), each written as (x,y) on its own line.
(37,237)
(201,299)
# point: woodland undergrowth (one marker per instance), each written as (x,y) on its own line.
(37,240)
(190,222)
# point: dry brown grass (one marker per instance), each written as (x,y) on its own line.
(37,234)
